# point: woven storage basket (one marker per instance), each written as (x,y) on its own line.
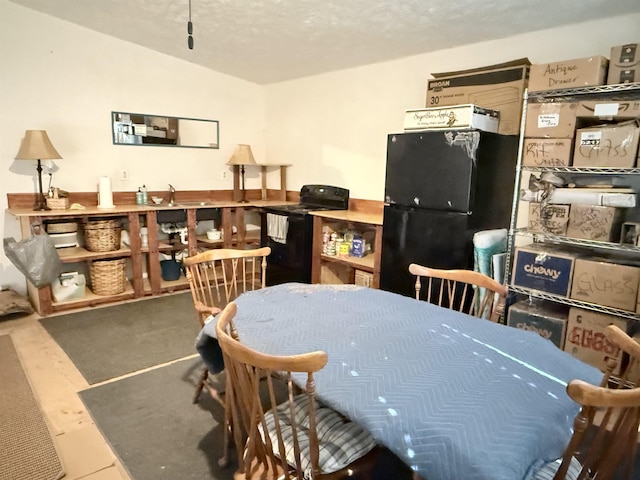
(58,203)
(62,227)
(108,277)
(102,235)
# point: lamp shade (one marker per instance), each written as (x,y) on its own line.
(242,156)
(37,146)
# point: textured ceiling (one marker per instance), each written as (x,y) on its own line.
(266,41)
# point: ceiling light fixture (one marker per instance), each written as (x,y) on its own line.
(190,29)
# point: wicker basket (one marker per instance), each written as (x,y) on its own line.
(108,277)
(102,235)
(62,227)
(58,203)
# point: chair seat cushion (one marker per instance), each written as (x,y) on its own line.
(341,441)
(549,470)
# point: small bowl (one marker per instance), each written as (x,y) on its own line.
(214,234)
(157,200)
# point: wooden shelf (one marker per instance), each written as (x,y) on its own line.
(81,254)
(91,299)
(366,263)
(344,267)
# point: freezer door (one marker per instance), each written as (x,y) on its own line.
(433,169)
(431,238)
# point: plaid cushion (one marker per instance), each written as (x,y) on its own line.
(549,470)
(341,441)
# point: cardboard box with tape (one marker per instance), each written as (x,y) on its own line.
(547,319)
(593,222)
(624,66)
(548,218)
(603,282)
(551,120)
(607,146)
(497,87)
(544,268)
(579,72)
(547,152)
(585,338)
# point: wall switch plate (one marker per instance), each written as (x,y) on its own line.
(124,175)
(223,174)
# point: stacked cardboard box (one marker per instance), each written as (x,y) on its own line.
(624,66)
(496,87)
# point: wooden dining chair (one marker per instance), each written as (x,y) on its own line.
(297,439)
(605,437)
(463,290)
(217,277)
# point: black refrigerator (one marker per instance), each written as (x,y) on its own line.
(441,187)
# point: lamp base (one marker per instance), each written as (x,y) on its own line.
(41,205)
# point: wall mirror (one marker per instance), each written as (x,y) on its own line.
(159,130)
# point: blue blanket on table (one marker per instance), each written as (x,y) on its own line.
(455,397)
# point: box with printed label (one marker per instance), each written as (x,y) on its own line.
(579,72)
(544,268)
(603,282)
(548,218)
(454,117)
(498,87)
(609,109)
(624,66)
(551,120)
(547,152)
(595,223)
(547,319)
(586,339)
(607,146)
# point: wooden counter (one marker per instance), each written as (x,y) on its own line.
(142,281)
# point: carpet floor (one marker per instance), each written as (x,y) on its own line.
(108,342)
(27,451)
(155,430)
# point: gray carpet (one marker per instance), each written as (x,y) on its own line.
(155,430)
(27,451)
(108,342)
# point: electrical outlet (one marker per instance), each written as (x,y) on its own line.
(223,174)
(124,175)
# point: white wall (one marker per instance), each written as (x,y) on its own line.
(67,79)
(333,127)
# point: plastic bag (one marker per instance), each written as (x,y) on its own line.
(36,257)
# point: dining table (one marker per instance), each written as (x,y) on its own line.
(453,396)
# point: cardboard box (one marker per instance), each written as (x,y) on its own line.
(579,72)
(547,319)
(607,146)
(551,120)
(498,87)
(548,218)
(609,110)
(595,223)
(547,152)
(585,337)
(605,283)
(454,117)
(544,268)
(624,66)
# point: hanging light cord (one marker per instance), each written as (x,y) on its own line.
(190,29)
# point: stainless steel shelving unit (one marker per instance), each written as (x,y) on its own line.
(622,92)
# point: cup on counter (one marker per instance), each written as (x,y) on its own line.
(214,234)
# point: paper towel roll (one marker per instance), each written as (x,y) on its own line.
(105,195)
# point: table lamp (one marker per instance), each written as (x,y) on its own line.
(37,146)
(241,157)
